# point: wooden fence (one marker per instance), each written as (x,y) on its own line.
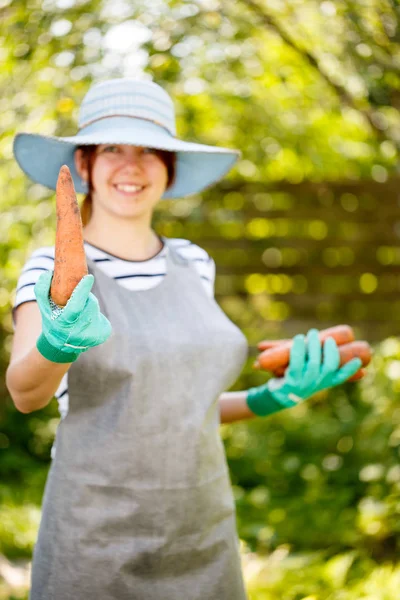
(293,256)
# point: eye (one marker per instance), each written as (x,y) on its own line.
(149,151)
(110,148)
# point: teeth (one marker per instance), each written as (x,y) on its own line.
(128,188)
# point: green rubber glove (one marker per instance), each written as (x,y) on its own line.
(308,372)
(69,331)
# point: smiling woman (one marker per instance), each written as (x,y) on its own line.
(86,157)
(138,502)
(147,509)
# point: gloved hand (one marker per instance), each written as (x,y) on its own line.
(69,331)
(306,374)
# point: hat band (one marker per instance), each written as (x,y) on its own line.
(121,115)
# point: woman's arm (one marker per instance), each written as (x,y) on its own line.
(47,342)
(233,407)
(32,380)
(310,370)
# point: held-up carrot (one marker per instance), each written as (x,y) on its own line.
(277,356)
(70,260)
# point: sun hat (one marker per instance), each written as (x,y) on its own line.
(125,111)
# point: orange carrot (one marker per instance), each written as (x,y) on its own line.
(268,344)
(342,334)
(359,375)
(277,356)
(70,260)
(357,349)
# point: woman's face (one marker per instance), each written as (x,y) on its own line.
(128,180)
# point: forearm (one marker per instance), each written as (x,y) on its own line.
(233,407)
(32,380)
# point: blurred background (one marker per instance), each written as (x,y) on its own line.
(305,231)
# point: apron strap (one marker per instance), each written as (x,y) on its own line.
(176,257)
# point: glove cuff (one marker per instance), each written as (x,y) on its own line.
(54,354)
(261,401)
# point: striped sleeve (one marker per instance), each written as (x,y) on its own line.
(41,260)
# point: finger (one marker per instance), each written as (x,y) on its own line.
(94,331)
(42,286)
(91,308)
(348,370)
(361,373)
(106,328)
(297,357)
(77,302)
(314,353)
(331,361)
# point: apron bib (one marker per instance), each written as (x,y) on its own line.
(138,503)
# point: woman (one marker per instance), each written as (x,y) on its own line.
(138,502)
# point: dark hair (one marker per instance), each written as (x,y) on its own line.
(89,155)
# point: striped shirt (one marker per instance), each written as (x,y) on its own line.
(134,275)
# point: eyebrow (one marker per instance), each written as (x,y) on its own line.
(116,144)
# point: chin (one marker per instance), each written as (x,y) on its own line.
(131,214)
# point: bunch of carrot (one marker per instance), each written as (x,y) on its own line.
(275,355)
(70,260)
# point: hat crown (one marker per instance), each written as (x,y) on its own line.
(128,97)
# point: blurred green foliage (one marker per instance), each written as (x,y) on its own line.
(325,475)
(310,92)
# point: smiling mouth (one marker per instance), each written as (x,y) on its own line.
(126,188)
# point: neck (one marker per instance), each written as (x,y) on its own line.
(129,240)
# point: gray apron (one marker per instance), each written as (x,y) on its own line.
(138,503)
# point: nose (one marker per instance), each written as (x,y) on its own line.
(133,159)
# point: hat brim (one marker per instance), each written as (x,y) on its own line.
(197,166)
